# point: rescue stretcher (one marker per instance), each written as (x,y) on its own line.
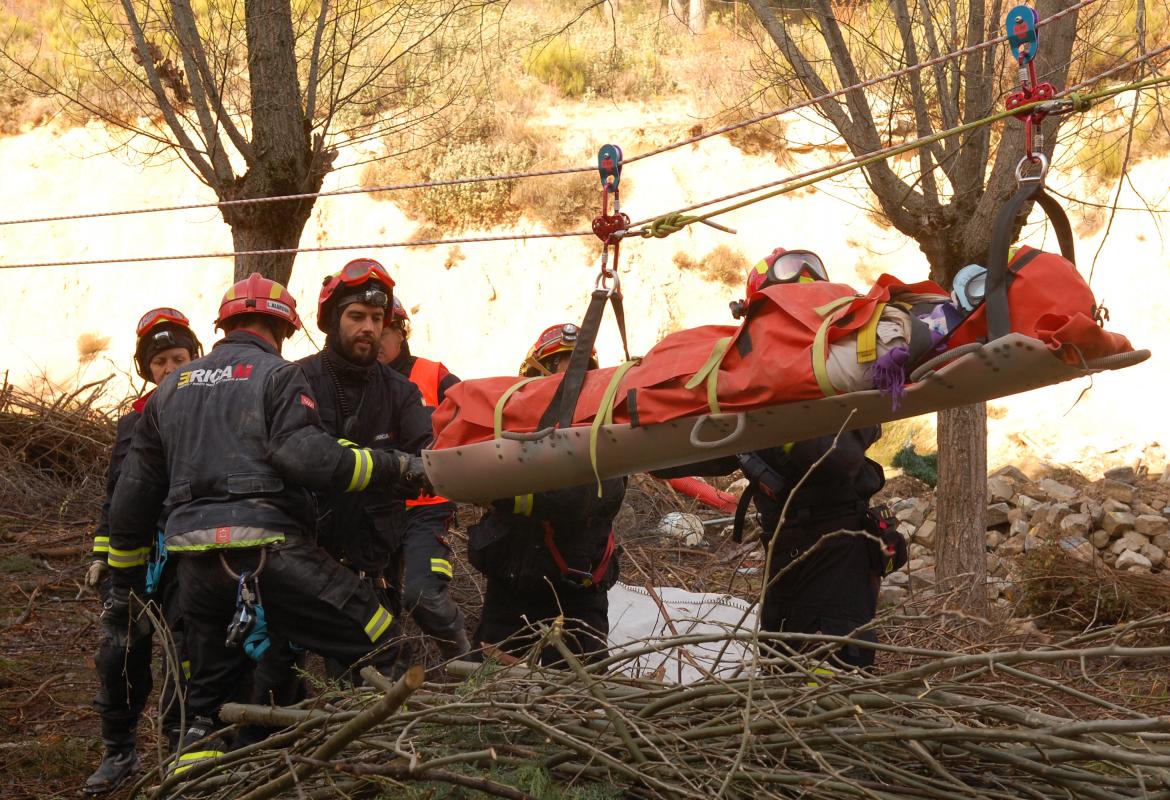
(1047,334)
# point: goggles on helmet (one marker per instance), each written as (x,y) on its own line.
(362,270)
(794,265)
(157,316)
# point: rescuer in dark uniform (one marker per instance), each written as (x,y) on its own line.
(229,448)
(821,580)
(424,555)
(551,552)
(370,404)
(165,343)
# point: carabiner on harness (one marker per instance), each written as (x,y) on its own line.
(247,601)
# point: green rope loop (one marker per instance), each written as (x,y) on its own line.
(667,224)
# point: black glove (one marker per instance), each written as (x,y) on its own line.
(394,468)
(124,617)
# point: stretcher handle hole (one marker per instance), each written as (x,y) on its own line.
(535,436)
(698,442)
(942,358)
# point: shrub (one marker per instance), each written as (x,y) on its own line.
(470,204)
(559,65)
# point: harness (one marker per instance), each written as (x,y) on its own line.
(576,578)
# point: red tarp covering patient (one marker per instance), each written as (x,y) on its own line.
(769,360)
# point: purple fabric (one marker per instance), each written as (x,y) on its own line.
(889,374)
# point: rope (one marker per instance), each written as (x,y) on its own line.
(293,250)
(548,172)
(674,221)
(901,73)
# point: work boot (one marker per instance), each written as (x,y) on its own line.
(198,744)
(455,648)
(115,768)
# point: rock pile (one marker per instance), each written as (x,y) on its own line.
(1122,520)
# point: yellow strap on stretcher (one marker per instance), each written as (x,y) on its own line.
(604,415)
(709,372)
(867,336)
(498,415)
(831,311)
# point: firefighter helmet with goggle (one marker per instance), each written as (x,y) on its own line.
(362,280)
(552,342)
(256,294)
(162,329)
(781,266)
(397,317)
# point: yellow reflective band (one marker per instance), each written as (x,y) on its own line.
(188,760)
(363,469)
(101,544)
(522,505)
(346,443)
(274,292)
(378,624)
(443,566)
(186,665)
(368,462)
(126,559)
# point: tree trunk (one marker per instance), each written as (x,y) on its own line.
(960,560)
(697,16)
(284,155)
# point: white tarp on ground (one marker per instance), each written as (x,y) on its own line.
(634,616)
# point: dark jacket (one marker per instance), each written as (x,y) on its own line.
(509,541)
(374,407)
(214,449)
(840,486)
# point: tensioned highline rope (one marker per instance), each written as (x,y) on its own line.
(549,172)
(664,224)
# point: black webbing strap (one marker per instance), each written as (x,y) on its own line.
(564,402)
(999,321)
(741,509)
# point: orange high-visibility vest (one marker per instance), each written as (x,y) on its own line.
(426,375)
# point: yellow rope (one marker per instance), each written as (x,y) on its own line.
(674,221)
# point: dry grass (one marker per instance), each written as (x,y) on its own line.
(722,265)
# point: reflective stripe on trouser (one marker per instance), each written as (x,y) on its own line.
(127,559)
(309,598)
(378,623)
(442,566)
(188,760)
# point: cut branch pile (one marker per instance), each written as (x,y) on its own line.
(1077,719)
(53,453)
(1065,589)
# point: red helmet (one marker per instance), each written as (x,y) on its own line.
(259,295)
(781,266)
(362,280)
(397,311)
(161,329)
(553,340)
